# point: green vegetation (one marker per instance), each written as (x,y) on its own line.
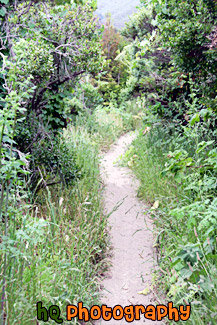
(69,88)
(173,62)
(52,129)
(54,243)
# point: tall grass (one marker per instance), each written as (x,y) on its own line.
(185,221)
(56,242)
(106,124)
(55,250)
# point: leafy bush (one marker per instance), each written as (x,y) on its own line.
(49,47)
(86,97)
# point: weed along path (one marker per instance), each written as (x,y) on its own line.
(132,253)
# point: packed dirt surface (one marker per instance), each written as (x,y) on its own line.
(120,10)
(131,236)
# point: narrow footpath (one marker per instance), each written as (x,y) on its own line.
(131,236)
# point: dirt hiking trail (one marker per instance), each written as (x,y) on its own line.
(132,252)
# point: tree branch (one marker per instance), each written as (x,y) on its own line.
(51,84)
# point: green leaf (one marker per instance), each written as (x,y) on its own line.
(202,145)
(185,273)
(195,118)
(4,1)
(3,11)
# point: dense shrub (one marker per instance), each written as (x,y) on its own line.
(48,45)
